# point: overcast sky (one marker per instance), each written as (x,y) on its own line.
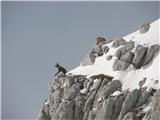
(35,35)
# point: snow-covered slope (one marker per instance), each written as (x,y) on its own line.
(131,77)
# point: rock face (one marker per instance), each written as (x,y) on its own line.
(154,112)
(151,52)
(120,65)
(139,56)
(68,101)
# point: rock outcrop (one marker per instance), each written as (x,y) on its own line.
(68,101)
(94,94)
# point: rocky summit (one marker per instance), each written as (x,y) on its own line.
(117,80)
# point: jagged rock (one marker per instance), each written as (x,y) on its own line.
(139,56)
(144,28)
(105,49)
(118,42)
(92,114)
(126,48)
(72,92)
(143,96)
(105,91)
(53,85)
(128,56)
(109,57)
(89,58)
(142,82)
(65,111)
(105,81)
(44,113)
(96,84)
(78,108)
(129,102)
(151,52)
(154,113)
(87,84)
(120,65)
(110,108)
(118,53)
(129,116)
(69,81)
(54,100)
(88,105)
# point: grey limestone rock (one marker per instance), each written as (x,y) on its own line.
(78,108)
(110,109)
(89,104)
(128,56)
(109,57)
(105,49)
(154,113)
(143,96)
(44,113)
(98,50)
(72,92)
(118,42)
(65,111)
(126,48)
(151,52)
(139,56)
(129,116)
(96,84)
(144,28)
(120,65)
(129,102)
(92,114)
(89,59)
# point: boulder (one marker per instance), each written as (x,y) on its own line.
(105,49)
(139,56)
(129,102)
(89,59)
(105,91)
(109,57)
(143,97)
(144,28)
(128,56)
(120,65)
(118,42)
(151,52)
(126,48)
(142,82)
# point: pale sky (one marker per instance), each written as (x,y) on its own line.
(35,35)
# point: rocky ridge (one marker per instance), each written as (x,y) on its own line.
(78,96)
